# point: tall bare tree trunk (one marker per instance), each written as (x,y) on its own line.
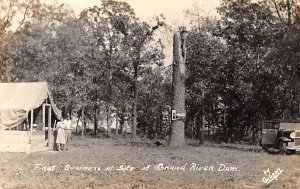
(109,97)
(77,125)
(117,125)
(202,133)
(134,118)
(82,118)
(289,10)
(179,57)
(193,127)
(213,129)
(95,120)
(108,121)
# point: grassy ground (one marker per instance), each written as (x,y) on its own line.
(91,158)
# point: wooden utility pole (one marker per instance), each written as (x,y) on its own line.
(179,75)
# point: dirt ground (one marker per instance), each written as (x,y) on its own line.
(119,163)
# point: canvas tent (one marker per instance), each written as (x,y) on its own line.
(18,99)
(27,117)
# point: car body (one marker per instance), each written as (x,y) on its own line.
(283,135)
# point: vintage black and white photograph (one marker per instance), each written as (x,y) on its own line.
(140,94)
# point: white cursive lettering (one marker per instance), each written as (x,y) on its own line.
(270,177)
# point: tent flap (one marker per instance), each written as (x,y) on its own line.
(17,99)
(11,118)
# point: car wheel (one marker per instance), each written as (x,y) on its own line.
(282,147)
(290,152)
(265,148)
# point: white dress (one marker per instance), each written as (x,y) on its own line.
(61,138)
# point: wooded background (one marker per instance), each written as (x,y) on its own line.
(242,65)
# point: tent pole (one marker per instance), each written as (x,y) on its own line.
(49,127)
(43,117)
(17,122)
(31,124)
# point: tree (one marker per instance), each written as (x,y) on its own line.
(40,50)
(154,101)
(30,50)
(137,40)
(13,16)
(243,79)
(136,44)
(285,55)
(179,58)
(105,51)
(205,56)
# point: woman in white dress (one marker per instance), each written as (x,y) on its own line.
(61,137)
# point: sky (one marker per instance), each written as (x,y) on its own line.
(173,10)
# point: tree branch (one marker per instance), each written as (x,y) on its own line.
(276,7)
(7,18)
(24,18)
(158,24)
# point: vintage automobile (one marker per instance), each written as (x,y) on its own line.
(283,135)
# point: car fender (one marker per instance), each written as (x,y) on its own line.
(284,139)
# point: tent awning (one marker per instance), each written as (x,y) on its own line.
(17,99)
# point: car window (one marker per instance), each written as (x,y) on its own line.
(270,125)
